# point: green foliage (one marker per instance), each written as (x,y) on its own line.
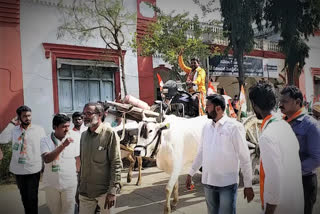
(238,19)
(5,175)
(295,20)
(170,34)
(296,52)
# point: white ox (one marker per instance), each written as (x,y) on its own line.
(178,146)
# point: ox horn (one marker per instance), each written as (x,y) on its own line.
(143,115)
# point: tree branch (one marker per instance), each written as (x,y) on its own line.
(102,37)
(100,14)
(83,29)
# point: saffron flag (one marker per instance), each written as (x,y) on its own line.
(243,102)
(160,81)
(230,110)
(211,89)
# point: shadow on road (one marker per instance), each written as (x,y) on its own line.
(152,197)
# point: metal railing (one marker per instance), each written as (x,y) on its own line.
(214,35)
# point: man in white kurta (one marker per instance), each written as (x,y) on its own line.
(60,176)
(281,188)
(279,150)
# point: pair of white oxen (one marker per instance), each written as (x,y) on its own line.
(173,143)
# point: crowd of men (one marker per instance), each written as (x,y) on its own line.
(289,154)
(289,147)
(86,162)
(92,154)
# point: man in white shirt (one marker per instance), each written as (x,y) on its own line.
(26,160)
(78,128)
(223,148)
(281,188)
(77,120)
(59,151)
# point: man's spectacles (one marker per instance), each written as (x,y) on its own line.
(88,113)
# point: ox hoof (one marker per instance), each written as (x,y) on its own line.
(173,207)
(129,180)
(138,184)
(167,210)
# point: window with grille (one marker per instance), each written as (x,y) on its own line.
(80,82)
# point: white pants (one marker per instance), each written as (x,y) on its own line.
(88,205)
(61,201)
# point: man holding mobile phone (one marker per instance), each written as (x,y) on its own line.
(60,150)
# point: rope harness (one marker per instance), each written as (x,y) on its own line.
(156,147)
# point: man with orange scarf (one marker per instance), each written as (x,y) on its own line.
(307,130)
(281,188)
(196,80)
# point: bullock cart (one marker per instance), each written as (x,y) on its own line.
(129,111)
(250,123)
(128,133)
(252,126)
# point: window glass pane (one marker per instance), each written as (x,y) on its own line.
(107,73)
(80,71)
(81,96)
(94,91)
(107,91)
(65,71)
(65,95)
(94,72)
(91,84)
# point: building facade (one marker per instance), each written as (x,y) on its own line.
(54,75)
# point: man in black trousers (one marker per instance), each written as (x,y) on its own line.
(26,162)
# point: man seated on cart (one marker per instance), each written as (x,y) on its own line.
(196,80)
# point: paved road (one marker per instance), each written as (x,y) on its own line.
(148,198)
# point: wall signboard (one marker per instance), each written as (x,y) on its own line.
(253,67)
(228,66)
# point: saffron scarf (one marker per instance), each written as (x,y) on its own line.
(202,104)
(296,115)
